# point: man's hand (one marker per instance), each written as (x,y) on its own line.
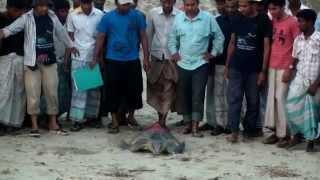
(176,57)
(226,73)
(146,65)
(103,65)
(313,89)
(66,67)
(261,78)
(207,56)
(287,76)
(74,51)
(93,63)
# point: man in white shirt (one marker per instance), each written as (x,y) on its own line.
(81,26)
(162,76)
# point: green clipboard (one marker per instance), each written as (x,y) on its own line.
(86,78)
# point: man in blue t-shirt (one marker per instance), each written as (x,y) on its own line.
(123,29)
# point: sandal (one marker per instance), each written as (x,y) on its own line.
(233,138)
(60,132)
(197,134)
(310,147)
(34,133)
(113,130)
(187,130)
(133,123)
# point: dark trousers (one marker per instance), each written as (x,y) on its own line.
(191,92)
(243,84)
(124,86)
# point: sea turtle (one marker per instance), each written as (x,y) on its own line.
(157,140)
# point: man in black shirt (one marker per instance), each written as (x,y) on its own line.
(12,94)
(246,66)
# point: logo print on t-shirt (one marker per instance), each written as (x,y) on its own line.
(279,36)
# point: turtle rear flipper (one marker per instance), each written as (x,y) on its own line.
(139,144)
(175,147)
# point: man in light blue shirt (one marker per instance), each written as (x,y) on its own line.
(188,44)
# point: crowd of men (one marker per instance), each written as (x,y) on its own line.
(255,63)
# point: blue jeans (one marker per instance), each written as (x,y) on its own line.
(243,84)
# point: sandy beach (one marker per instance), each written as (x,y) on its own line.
(92,154)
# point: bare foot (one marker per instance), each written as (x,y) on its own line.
(233,138)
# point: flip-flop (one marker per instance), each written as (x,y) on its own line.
(60,132)
(34,133)
(113,130)
(197,134)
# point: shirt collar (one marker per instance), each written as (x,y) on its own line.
(80,11)
(198,17)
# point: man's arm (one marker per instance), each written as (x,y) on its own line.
(150,29)
(289,73)
(218,38)
(262,77)
(14,28)
(62,33)
(266,54)
(231,48)
(267,30)
(173,43)
(145,48)
(98,48)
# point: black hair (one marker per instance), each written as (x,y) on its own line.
(86,1)
(308,15)
(19,4)
(280,3)
(45,2)
(220,1)
(198,1)
(61,4)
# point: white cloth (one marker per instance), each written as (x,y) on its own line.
(307,51)
(84,28)
(217,105)
(275,117)
(158,28)
(12,92)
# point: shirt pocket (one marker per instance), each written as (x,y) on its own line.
(201,33)
(182,32)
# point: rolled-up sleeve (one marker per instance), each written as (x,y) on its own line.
(70,25)
(295,48)
(173,38)
(217,38)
